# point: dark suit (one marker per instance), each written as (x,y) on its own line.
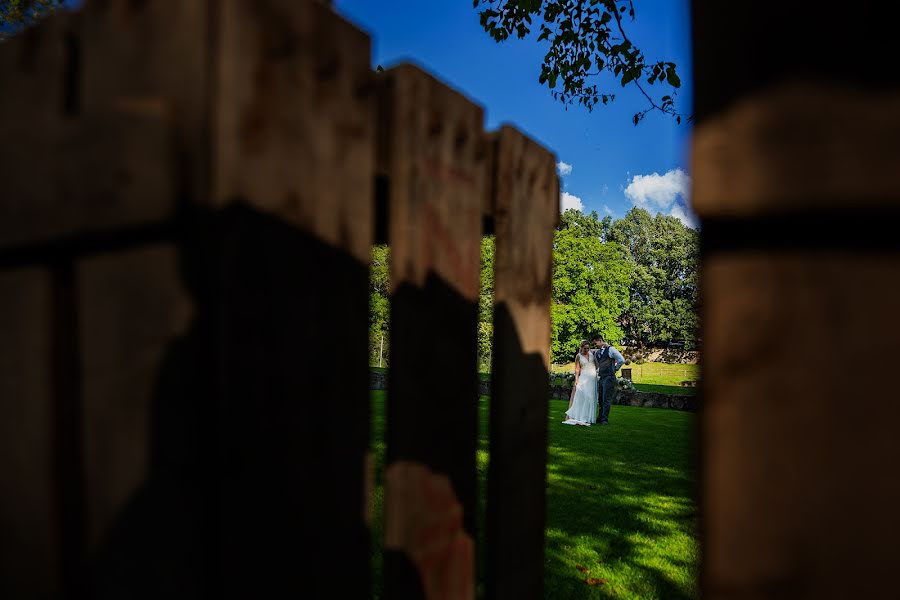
(606,381)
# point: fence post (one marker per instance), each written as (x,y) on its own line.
(525,213)
(295,155)
(30,545)
(433,155)
(798,489)
(193,232)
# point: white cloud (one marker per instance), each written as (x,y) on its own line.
(605,190)
(567,201)
(564,168)
(685,215)
(658,191)
(607,209)
(668,194)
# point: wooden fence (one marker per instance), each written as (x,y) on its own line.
(190,193)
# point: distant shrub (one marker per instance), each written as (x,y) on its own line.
(624,384)
(562,379)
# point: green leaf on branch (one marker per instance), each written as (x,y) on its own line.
(673,79)
(580,33)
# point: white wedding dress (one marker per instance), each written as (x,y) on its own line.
(584,406)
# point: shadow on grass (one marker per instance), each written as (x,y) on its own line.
(620,505)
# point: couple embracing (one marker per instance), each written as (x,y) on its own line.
(595,382)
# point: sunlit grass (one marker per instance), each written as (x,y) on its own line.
(620,503)
(653,376)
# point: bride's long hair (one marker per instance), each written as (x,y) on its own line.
(582,345)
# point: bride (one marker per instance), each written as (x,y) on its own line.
(583,404)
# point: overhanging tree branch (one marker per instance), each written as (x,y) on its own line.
(582,35)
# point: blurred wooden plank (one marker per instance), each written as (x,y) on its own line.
(208,471)
(295,122)
(103,174)
(793,167)
(155,60)
(796,487)
(32,66)
(798,146)
(132,307)
(433,154)
(293,180)
(436,161)
(78,166)
(526,211)
(29,535)
(293,454)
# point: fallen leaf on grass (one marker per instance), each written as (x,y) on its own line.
(582,569)
(594,581)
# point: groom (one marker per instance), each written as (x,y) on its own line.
(608,361)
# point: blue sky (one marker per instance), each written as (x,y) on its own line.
(612,161)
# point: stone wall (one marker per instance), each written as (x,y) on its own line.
(637,398)
(378,381)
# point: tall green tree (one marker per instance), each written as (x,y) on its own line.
(585,225)
(379,303)
(591,279)
(589,46)
(633,277)
(664,289)
(486,305)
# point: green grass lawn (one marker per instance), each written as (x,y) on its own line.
(620,503)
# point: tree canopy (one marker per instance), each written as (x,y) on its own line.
(663,297)
(591,279)
(630,278)
(587,39)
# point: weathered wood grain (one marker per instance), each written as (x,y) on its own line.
(525,212)
(798,147)
(87,157)
(132,307)
(433,156)
(795,486)
(295,119)
(29,542)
